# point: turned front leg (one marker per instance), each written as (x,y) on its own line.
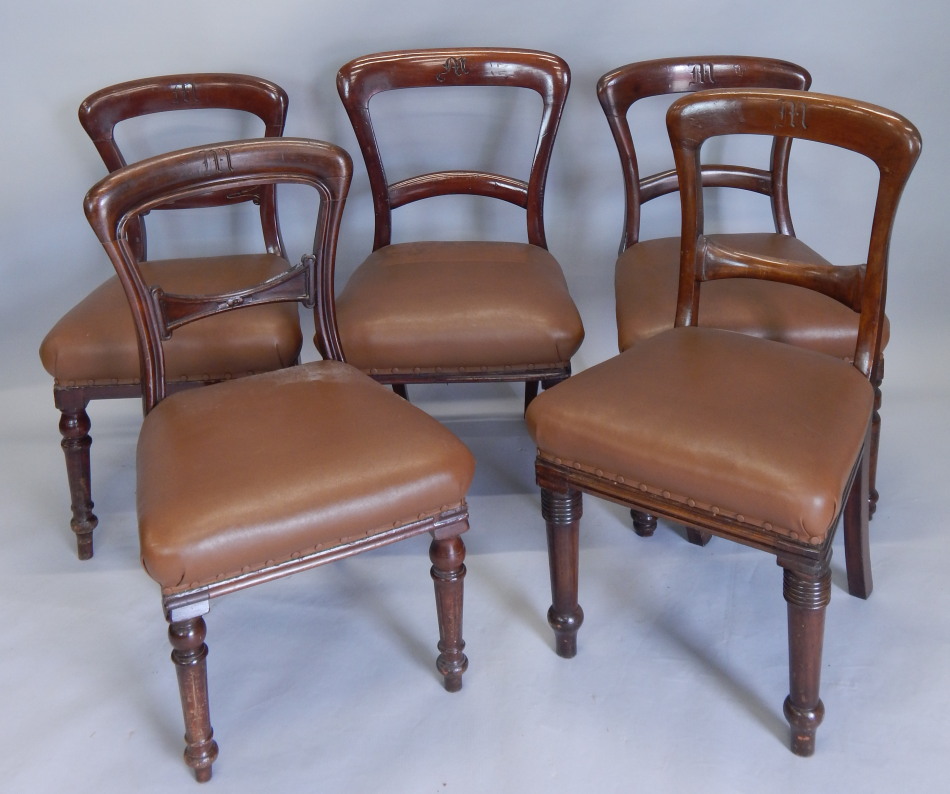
(190,655)
(807,596)
(448,574)
(562,514)
(74,427)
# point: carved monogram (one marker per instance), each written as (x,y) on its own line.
(454,66)
(792,114)
(217,160)
(702,74)
(184,93)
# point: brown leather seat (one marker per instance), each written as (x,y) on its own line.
(755,440)
(365,464)
(646,273)
(440,311)
(647,280)
(727,455)
(402,310)
(247,481)
(92,352)
(94,343)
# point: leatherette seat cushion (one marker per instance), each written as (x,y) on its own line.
(702,430)
(264,469)
(94,343)
(443,306)
(646,282)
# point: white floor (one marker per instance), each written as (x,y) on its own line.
(326,682)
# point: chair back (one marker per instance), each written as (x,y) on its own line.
(115,203)
(620,88)
(886,138)
(361,79)
(102,111)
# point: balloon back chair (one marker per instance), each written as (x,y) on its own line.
(260,477)
(646,274)
(755,440)
(455,311)
(92,352)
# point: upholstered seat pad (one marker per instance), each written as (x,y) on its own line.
(647,280)
(458,305)
(720,421)
(266,468)
(95,343)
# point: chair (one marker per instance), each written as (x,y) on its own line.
(92,353)
(438,312)
(751,439)
(254,479)
(646,270)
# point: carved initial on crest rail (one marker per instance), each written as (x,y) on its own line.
(702,74)
(218,160)
(184,93)
(792,114)
(454,66)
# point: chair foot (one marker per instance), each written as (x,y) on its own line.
(698,537)
(565,631)
(448,575)
(644,524)
(190,657)
(84,550)
(74,427)
(804,724)
(562,514)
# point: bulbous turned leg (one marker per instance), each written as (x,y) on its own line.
(190,655)
(448,574)
(562,514)
(807,595)
(74,427)
(644,524)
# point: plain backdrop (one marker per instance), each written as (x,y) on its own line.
(62,672)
